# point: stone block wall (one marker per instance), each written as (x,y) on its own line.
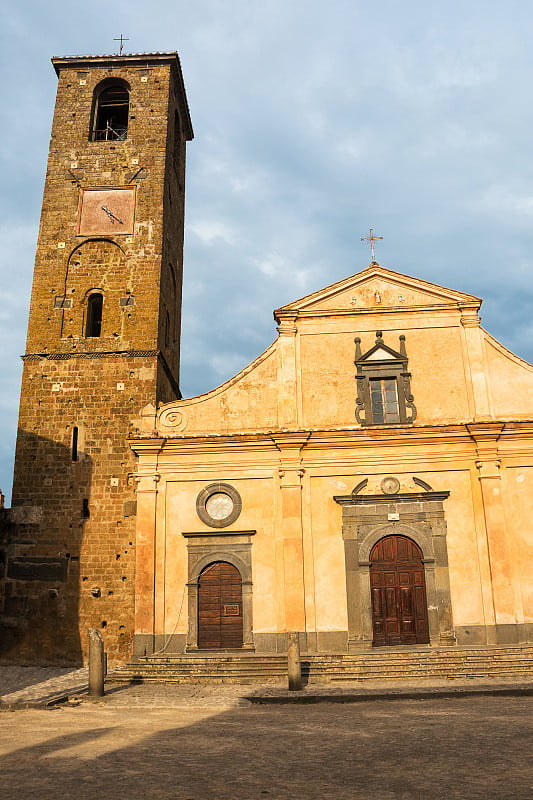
(71,550)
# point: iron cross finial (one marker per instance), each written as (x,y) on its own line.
(122,39)
(371,239)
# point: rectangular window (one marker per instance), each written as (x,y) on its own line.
(384,400)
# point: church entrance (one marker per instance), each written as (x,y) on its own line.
(398,591)
(220,607)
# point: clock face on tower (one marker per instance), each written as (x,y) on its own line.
(106,212)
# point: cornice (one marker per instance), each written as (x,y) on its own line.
(387,499)
(343,437)
(90,354)
(281,315)
(147,446)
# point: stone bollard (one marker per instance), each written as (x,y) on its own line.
(294,663)
(96,663)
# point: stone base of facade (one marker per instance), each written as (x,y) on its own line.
(494,634)
(323,642)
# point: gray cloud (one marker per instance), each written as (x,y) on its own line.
(311,126)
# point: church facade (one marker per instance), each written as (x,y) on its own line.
(367,481)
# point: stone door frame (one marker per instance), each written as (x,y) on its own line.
(206,548)
(420,516)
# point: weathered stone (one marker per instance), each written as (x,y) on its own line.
(88,389)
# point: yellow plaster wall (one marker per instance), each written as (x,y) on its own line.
(258,513)
(246,402)
(510,382)
(470,571)
(436,363)
(324,518)
(318,360)
(518,496)
(307,379)
(466,545)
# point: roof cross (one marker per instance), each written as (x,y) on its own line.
(122,39)
(371,238)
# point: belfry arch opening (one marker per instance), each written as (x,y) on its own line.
(111,112)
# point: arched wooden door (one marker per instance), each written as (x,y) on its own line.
(398,588)
(220,606)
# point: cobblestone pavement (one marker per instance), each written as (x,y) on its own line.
(443,749)
(39,686)
(153,695)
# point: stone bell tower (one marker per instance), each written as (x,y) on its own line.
(103,341)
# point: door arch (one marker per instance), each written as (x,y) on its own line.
(220,606)
(398,592)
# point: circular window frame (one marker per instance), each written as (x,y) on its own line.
(390,485)
(205,494)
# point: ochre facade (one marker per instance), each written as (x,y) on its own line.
(320,487)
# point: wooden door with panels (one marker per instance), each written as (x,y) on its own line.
(398,591)
(220,607)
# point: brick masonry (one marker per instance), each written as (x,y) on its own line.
(71,530)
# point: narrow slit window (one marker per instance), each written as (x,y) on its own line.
(111,114)
(384,400)
(167,330)
(75,443)
(94,315)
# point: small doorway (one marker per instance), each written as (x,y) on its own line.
(220,607)
(398,590)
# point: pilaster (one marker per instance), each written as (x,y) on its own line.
(474,342)
(287,382)
(147,480)
(291,527)
(505,597)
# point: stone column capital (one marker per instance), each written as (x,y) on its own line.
(147,482)
(489,468)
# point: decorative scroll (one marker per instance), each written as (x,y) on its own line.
(173,418)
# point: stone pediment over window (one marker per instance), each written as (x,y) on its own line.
(383,384)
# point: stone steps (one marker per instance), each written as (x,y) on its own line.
(391,665)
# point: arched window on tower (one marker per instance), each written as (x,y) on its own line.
(94,315)
(111,111)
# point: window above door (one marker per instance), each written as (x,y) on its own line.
(383,385)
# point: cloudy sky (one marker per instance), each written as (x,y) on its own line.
(313,122)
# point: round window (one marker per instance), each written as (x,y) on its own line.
(218,505)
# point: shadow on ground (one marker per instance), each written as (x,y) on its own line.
(460,748)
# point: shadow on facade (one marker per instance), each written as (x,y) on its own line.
(41,538)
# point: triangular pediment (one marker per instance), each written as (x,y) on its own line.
(381,354)
(378,352)
(378,288)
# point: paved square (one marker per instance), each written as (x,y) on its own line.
(464,748)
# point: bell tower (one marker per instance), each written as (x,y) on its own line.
(103,342)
